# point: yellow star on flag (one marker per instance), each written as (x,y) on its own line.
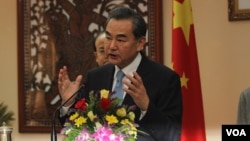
(184,80)
(183,17)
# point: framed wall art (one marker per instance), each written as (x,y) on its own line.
(238,10)
(54,33)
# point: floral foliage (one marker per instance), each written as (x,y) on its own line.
(101,118)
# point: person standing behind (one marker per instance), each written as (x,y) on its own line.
(243,116)
(154,88)
(99,49)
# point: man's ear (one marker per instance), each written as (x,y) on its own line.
(141,43)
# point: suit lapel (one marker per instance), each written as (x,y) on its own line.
(142,70)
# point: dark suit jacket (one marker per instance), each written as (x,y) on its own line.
(163,118)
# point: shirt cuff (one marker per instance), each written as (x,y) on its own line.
(143,113)
(64,110)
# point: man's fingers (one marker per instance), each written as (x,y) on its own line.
(65,73)
(78,80)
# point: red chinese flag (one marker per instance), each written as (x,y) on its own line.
(185,63)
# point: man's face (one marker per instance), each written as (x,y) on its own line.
(121,45)
(100,54)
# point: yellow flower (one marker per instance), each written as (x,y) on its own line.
(98,125)
(125,121)
(131,116)
(79,121)
(91,115)
(74,116)
(133,132)
(111,119)
(104,93)
(121,112)
(131,129)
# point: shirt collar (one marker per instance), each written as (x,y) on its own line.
(131,67)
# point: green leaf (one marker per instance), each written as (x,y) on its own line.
(5,116)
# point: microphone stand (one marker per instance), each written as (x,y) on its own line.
(53,132)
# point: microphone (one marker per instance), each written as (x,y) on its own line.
(53,132)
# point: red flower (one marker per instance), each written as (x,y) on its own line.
(105,103)
(81,104)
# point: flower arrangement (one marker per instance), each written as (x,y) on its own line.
(101,118)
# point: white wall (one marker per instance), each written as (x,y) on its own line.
(223,52)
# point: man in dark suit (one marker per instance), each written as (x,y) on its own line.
(153,87)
